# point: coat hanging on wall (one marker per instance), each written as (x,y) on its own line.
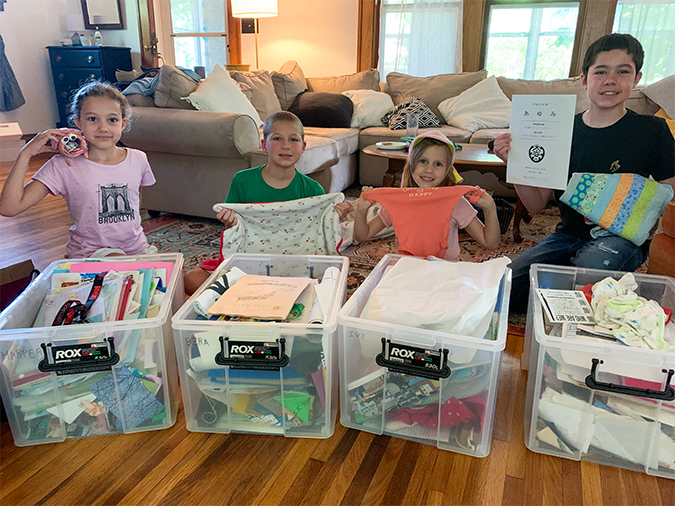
(12,98)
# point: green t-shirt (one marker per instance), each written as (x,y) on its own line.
(249,187)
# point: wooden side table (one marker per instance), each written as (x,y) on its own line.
(469,157)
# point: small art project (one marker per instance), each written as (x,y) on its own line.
(72,144)
(627,205)
(265,297)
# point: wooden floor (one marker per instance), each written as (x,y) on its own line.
(176,467)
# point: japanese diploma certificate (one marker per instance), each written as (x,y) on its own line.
(541,127)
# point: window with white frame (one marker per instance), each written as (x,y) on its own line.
(420,37)
(198,32)
(652,22)
(531,40)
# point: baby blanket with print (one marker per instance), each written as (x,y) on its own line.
(308,226)
(627,205)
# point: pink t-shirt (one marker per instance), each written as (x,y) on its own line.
(103,201)
(462,215)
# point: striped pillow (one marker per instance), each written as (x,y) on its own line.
(627,205)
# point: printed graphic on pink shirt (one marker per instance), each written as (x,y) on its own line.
(115,206)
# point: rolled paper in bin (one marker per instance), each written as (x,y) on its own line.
(211,294)
(325,293)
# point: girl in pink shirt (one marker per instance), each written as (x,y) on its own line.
(101,186)
(429,165)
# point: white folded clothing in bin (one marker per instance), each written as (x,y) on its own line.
(451,297)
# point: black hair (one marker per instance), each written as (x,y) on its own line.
(614,41)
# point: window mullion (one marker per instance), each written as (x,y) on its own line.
(533,43)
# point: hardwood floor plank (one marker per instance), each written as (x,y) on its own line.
(518,452)
(277,485)
(441,471)
(401,478)
(572,487)
(534,479)
(486,478)
(327,446)
(507,389)
(591,486)
(640,488)
(329,471)
(348,469)
(364,475)
(514,492)
(414,494)
(385,472)
(613,487)
(457,481)
(553,485)
(432,498)
(302,483)
(667,492)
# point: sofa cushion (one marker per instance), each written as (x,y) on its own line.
(371,135)
(486,135)
(346,139)
(397,118)
(262,94)
(138,100)
(172,86)
(369,107)
(662,93)
(366,80)
(320,153)
(289,82)
(219,93)
(571,86)
(318,109)
(433,89)
(484,105)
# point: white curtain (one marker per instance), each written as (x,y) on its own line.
(652,22)
(421,37)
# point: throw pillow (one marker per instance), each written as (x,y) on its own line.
(396,119)
(366,80)
(570,86)
(327,110)
(431,90)
(289,82)
(219,93)
(669,121)
(369,107)
(172,86)
(661,93)
(263,97)
(484,105)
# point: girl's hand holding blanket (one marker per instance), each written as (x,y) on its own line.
(343,209)
(227,217)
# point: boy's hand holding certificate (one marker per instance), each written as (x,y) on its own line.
(541,129)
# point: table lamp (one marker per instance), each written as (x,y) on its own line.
(255,9)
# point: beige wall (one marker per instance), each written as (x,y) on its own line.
(27,27)
(321,35)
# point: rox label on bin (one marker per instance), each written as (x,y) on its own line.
(81,353)
(253,350)
(418,357)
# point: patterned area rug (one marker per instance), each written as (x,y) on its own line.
(199,239)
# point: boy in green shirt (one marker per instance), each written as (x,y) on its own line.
(276,181)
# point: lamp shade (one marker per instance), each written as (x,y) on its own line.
(254,8)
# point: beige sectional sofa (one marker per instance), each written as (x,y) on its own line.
(194,154)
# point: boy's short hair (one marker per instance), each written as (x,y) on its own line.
(614,41)
(287,116)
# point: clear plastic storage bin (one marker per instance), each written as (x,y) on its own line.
(596,400)
(454,413)
(49,399)
(297,397)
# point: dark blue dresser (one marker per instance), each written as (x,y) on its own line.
(73,65)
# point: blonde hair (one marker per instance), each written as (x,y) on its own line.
(97,89)
(407,180)
(286,116)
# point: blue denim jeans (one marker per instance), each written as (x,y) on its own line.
(608,253)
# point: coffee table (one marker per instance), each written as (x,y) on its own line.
(469,157)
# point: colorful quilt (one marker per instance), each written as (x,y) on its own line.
(627,205)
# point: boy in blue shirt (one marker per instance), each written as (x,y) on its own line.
(607,138)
